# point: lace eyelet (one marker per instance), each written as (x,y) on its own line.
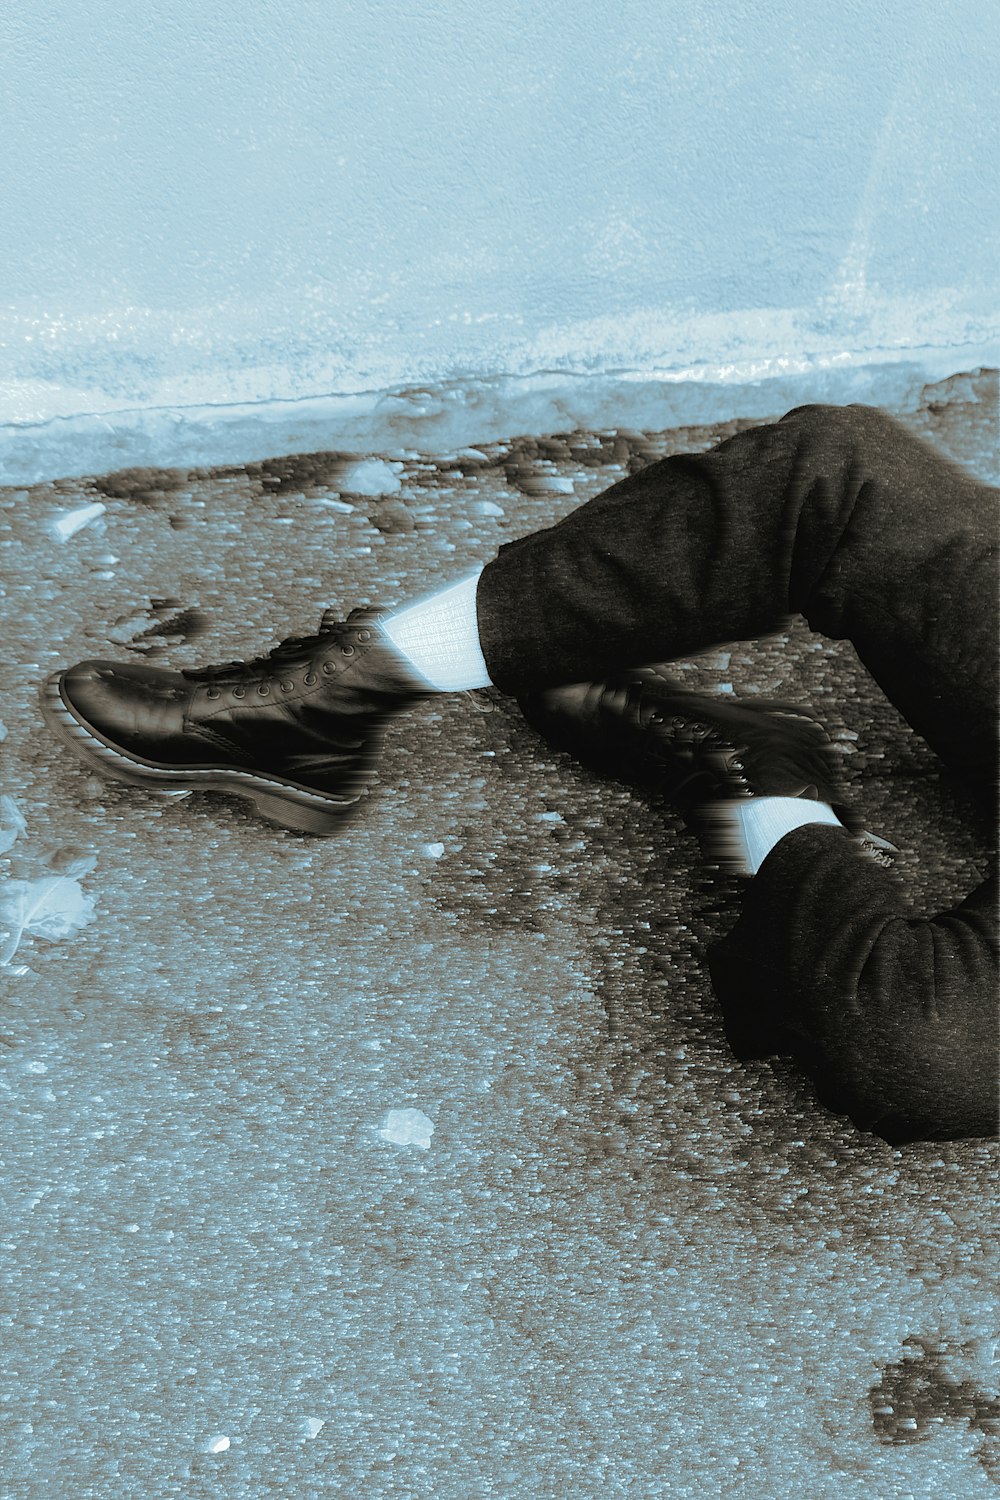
(364,635)
(310,677)
(263,690)
(347,650)
(286,687)
(212,693)
(328,667)
(239,692)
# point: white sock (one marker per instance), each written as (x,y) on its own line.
(439,636)
(763,822)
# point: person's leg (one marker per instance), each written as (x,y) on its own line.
(893,1017)
(835,513)
(844,517)
(838,513)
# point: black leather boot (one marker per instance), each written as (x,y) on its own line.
(297,730)
(699,751)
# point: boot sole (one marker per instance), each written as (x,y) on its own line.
(279,802)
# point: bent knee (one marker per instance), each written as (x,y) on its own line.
(854,426)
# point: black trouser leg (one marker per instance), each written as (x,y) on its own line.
(843,516)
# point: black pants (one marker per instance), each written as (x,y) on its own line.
(841,515)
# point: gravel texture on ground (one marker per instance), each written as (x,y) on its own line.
(601,1258)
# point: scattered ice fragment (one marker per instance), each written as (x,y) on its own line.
(724,687)
(72,521)
(3,730)
(539,482)
(12,823)
(312,1426)
(126,627)
(217,1444)
(370,476)
(51,907)
(488,508)
(36,1067)
(550,817)
(332,504)
(434,851)
(407,1127)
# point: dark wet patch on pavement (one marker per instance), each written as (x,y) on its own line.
(918,1394)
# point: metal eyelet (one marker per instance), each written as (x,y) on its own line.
(263,689)
(328,667)
(213,693)
(239,692)
(364,635)
(347,650)
(310,677)
(286,687)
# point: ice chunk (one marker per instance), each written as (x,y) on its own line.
(369,476)
(331,504)
(487,508)
(72,521)
(127,626)
(539,482)
(12,823)
(407,1127)
(51,907)
(217,1444)
(3,730)
(434,851)
(312,1426)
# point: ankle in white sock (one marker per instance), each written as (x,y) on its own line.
(439,636)
(764,821)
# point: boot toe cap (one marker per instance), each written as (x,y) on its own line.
(132,706)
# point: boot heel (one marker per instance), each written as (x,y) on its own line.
(302,819)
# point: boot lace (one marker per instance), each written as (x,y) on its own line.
(278,656)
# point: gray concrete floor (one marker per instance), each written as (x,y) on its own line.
(625,1265)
